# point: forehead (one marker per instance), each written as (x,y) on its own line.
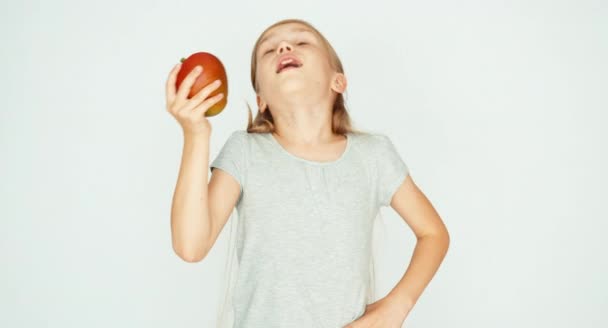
(285,28)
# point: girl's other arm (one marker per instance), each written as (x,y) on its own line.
(432,242)
(200,209)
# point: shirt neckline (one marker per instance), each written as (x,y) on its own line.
(318,163)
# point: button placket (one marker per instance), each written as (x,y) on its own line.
(312,177)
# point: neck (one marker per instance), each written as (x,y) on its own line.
(303,123)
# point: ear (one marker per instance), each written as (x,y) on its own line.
(261,104)
(339,83)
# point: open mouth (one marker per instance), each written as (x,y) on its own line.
(287,64)
(288,67)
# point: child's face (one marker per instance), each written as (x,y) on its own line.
(311,78)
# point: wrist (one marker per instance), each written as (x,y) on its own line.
(401,301)
(196,137)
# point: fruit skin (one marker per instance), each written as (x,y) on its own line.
(213,69)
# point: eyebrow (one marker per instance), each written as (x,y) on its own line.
(295,29)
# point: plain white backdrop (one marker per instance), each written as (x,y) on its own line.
(497,107)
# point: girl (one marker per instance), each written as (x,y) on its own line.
(306,186)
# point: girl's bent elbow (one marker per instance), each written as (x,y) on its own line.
(191,256)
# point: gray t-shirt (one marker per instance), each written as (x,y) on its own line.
(304,232)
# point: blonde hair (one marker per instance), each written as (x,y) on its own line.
(264,122)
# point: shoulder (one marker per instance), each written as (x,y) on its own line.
(378,150)
(372,141)
(247,143)
(239,134)
(244,136)
(238,138)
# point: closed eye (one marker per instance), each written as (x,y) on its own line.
(271,50)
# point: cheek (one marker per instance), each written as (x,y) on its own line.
(264,71)
(260,77)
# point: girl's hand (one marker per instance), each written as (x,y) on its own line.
(190,113)
(384,313)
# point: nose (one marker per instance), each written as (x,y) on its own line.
(284,46)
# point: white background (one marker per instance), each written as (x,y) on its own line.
(497,107)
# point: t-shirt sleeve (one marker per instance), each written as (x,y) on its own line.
(232,157)
(391,170)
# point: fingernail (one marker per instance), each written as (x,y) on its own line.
(198,69)
(218,82)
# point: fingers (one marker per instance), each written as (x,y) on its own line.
(170,85)
(208,103)
(202,94)
(187,83)
(206,91)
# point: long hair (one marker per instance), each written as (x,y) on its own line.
(264,123)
